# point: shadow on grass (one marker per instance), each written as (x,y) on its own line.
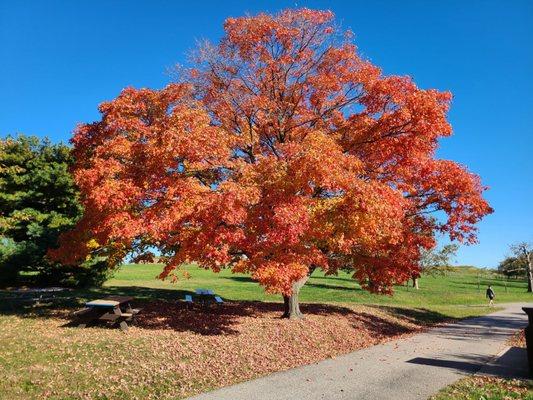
(415,315)
(335,287)
(246,279)
(242,279)
(164,309)
(484,282)
(228,319)
(58,304)
(333,278)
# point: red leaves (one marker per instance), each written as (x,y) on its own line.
(282,149)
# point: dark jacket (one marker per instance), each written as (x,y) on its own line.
(490,293)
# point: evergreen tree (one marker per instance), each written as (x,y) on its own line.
(38,201)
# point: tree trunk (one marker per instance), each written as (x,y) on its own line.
(415,282)
(291,304)
(529,272)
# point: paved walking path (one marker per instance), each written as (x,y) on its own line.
(411,368)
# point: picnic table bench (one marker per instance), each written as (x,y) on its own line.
(32,296)
(114,309)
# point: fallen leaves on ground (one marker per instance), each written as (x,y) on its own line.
(174,351)
(518,339)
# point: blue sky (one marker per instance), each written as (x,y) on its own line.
(59,60)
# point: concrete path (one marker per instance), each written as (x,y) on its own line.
(407,369)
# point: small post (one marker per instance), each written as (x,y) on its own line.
(529,338)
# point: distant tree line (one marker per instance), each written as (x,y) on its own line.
(519,263)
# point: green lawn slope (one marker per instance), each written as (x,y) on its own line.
(459,293)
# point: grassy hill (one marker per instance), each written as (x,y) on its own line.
(459,293)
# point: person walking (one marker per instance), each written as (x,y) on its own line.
(490,295)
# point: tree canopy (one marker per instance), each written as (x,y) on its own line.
(437,261)
(512,267)
(282,150)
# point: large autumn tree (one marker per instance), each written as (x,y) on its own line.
(280,152)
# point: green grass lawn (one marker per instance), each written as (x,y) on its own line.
(459,294)
(485,388)
(455,295)
(173,352)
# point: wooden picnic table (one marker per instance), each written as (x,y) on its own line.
(110,302)
(109,309)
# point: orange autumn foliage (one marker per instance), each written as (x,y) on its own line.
(282,149)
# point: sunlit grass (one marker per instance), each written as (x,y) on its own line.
(458,294)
